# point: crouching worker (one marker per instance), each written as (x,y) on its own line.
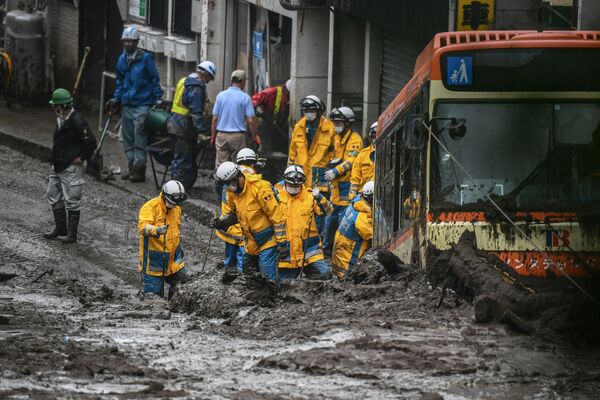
(253,203)
(161,256)
(354,233)
(300,206)
(233,236)
(73,143)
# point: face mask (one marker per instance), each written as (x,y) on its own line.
(233,187)
(169,204)
(311,116)
(339,129)
(61,112)
(293,190)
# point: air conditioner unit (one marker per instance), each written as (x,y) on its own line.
(155,41)
(169,46)
(143,30)
(186,50)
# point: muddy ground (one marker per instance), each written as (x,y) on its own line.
(83,331)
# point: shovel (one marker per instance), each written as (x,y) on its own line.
(95,165)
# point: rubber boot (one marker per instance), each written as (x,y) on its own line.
(60,221)
(72,226)
(138,175)
(126,175)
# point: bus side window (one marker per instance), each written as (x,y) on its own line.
(399,145)
(384,208)
(409,176)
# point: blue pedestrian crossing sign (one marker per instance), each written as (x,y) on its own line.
(460,70)
(257,44)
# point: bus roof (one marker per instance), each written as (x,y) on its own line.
(427,65)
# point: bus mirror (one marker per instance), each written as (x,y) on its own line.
(457,129)
(415,132)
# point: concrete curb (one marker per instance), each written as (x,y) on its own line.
(199,210)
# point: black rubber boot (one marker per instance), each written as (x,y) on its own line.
(60,221)
(72,226)
(127,175)
(138,175)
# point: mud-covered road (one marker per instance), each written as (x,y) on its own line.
(83,331)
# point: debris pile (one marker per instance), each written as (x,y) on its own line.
(545,306)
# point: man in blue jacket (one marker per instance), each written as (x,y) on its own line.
(187,122)
(138,89)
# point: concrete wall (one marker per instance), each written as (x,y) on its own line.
(589,15)
(310,46)
(517,14)
(212,44)
(63,24)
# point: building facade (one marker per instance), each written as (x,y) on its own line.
(348,52)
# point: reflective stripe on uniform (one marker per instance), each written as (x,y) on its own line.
(277,104)
(148,230)
(230,236)
(339,271)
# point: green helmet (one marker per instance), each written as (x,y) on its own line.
(60,97)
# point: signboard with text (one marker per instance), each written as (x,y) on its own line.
(137,9)
(475,15)
(257,44)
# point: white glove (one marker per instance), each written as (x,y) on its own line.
(316,192)
(330,175)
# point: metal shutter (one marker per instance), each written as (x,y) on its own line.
(398,62)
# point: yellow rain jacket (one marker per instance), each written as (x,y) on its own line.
(157,252)
(258,213)
(347,147)
(352,238)
(313,159)
(298,211)
(233,234)
(363,170)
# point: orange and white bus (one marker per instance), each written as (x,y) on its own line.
(507,118)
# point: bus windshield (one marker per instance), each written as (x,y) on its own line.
(528,156)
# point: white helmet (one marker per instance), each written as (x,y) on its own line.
(173,192)
(348,113)
(209,67)
(343,114)
(368,189)
(294,175)
(373,130)
(312,102)
(288,85)
(130,33)
(246,154)
(227,171)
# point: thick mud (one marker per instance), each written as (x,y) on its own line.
(82,330)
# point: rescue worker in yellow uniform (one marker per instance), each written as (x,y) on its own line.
(186,123)
(355,232)
(233,236)
(347,146)
(300,205)
(161,255)
(253,203)
(312,146)
(363,169)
